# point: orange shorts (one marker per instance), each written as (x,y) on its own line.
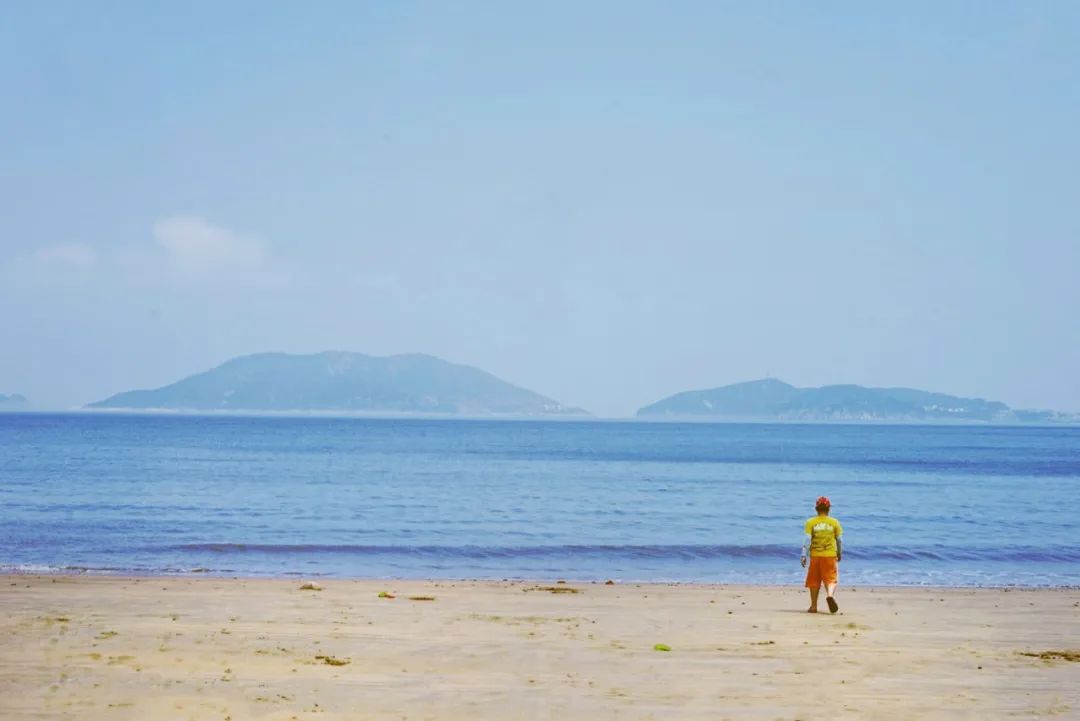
(822,569)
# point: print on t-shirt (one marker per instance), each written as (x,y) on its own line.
(823,532)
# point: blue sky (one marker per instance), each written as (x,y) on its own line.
(604,202)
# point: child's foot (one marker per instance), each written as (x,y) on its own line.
(811,610)
(833,606)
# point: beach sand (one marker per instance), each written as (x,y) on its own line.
(79,647)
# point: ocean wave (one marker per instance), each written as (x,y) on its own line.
(675,552)
(30,569)
(42,569)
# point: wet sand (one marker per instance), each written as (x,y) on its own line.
(79,647)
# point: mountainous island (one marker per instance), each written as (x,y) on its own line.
(773,400)
(13,402)
(335,381)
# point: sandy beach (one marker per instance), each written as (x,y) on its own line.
(89,648)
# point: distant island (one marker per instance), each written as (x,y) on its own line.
(773,400)
(13,402)
(335,381)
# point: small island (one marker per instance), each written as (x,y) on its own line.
(342,382)
(770,399)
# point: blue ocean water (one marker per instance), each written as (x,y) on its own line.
(277,496)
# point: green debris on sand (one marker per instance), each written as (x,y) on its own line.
(332,661)
(661,647)
(555,589)
(1055,655)
(384,594)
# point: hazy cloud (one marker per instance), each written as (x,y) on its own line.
(196,246)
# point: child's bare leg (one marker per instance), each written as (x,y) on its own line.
(830,589)
(813,599)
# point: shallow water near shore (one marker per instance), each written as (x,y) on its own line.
(418,498)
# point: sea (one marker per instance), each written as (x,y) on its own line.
(227,495)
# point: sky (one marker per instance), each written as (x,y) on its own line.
(604,202)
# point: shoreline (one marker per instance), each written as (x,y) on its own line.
(206,647)
(42,571)
(195,574)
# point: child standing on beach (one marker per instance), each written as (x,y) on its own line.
(823,541)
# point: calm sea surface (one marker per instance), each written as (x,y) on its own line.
(955,505)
